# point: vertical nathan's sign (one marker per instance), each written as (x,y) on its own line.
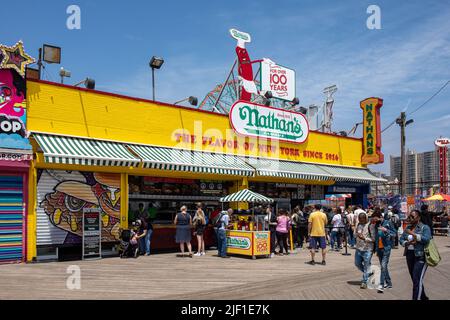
(372,131)
(277,79)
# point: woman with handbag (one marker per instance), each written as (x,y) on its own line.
(415,238)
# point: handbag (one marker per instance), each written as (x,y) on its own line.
(432,255)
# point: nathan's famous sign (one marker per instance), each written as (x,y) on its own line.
(372,131)
(255,120)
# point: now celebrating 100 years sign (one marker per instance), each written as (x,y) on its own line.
(256,120)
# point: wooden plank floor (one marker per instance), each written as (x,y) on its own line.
(165,276)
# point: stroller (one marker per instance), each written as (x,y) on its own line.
(128,245)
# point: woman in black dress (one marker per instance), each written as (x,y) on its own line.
(200,225)
(183,222)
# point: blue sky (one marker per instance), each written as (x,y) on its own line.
(326,42)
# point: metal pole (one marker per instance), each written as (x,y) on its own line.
(403,156)
(153,82)
(40,62)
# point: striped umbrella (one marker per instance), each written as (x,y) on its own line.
(246,195)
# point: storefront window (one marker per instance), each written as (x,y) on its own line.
(161,198)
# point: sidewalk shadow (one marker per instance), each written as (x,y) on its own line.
(354,283)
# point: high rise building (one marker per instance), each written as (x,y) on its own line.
(422,170)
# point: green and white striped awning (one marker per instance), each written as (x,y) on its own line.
(71,150)
(352,174)
(288,169)
(246,195)
(193,161)
(310,171)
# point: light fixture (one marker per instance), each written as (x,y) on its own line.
(31,73)
(268,95)
(343,133)
(51,54)
(303,110)
(64,74)
(88,83)
(156,62)
(192,100)
(409,122)
(295,101)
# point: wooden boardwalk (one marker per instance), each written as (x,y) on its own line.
(164,276)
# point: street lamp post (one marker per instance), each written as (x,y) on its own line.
(155,63)
(402,122)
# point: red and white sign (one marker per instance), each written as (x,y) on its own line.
(277,79)
(442,142)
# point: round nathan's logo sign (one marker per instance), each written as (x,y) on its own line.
(238,242)
(255,120)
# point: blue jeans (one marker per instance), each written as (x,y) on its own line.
(362,262)
(148,238)
(335,238)
(383,256)
(144,243)
(351,237)
(222,242)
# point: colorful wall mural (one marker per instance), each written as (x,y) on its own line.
(13,64)
(13,133)
(62,196)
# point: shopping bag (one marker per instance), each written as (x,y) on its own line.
(432,255)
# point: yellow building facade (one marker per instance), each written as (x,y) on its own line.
(87,144)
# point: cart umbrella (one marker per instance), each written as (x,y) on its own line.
(246,195)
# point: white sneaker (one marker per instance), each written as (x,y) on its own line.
(203,254)
(272,255)
(380,289)
(198,254)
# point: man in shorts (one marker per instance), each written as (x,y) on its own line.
(316,231)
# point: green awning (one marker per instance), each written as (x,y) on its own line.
(288,169)
(193,161)
(360,175)
(246,195)
(71,150)
(310,171)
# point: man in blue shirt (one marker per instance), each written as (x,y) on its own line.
(222,233)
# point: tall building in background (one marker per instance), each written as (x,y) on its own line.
(422,170)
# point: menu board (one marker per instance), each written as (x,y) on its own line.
(92,233)
(317,193)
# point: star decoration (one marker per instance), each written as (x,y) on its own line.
(15,58)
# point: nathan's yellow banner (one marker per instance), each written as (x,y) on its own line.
(372,131)
(64,110)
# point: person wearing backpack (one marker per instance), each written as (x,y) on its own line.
(397,223)
(302,225)
(415,238)
(295,226)
(221,224)
(384,234)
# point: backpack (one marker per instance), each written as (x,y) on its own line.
(432,255)
(396,221)
(217,221)
(301,220)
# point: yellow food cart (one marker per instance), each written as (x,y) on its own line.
(251,242)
